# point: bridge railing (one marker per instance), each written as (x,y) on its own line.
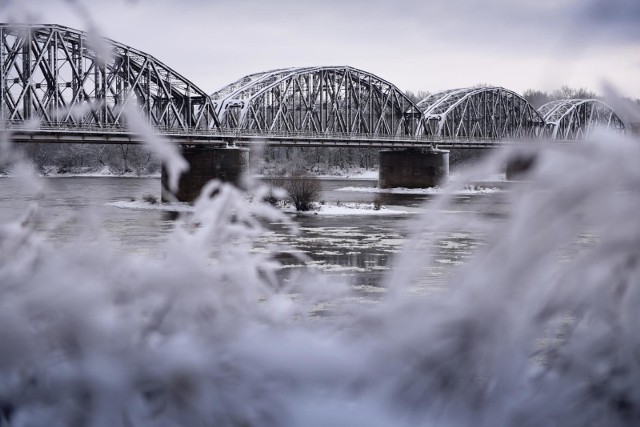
(35,126)
(224,134)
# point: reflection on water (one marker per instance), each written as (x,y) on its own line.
(355,248)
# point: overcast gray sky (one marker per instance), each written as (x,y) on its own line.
(417,45)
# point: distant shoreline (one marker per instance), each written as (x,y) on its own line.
(366,175)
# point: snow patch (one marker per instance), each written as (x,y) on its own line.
(142,205)
(496,177)
(470,189)
(361,174)
(356,173)
(352,209)
(104,172)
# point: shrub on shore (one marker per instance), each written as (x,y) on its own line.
(303,190)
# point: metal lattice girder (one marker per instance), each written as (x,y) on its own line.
(570,119)
(341,100)
(480,112)
(56,75)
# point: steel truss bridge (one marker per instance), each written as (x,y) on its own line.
(574,118)
(58,84)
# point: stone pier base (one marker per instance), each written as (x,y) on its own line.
(205,164)
(518,166)
(413,168)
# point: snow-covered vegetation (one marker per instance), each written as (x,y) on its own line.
(90,159)
(539,327)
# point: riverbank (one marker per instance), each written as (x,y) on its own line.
(105,172)
(357,174)
(468,189)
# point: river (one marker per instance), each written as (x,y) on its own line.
(358,247)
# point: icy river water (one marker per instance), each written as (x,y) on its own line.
(358,247)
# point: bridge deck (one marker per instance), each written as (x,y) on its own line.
(243,138)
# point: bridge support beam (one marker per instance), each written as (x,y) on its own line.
(413,168)
(206,163)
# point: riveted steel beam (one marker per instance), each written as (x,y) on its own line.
(317,99)
(482,112)
(572,119)
(60,76)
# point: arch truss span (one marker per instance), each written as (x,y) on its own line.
(481,112)
(317,100)
(68,78)
(571,119)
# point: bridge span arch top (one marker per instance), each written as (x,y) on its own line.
(479,112)
(69,78)
(574,118)
(339,100)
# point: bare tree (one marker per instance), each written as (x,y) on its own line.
(303,190)
(566,92)
(537,98)
(417,96)
(275,179)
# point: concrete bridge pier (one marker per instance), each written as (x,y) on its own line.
(413,168)
(206,163)
(519,166)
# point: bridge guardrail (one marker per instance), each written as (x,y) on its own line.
(231,134)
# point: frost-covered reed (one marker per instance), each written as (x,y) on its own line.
(539,327)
